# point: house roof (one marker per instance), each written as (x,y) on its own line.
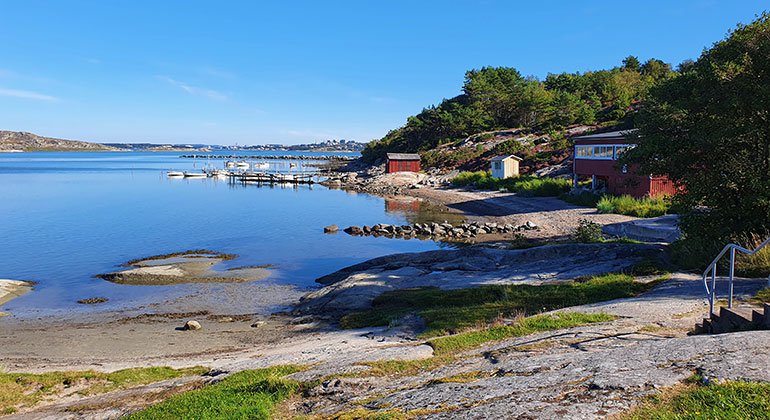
(403,156)
(606,136)
(502,158)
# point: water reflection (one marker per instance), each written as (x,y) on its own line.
(419,211)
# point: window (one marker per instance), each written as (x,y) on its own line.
(603,152)
(498,165)
(584,151)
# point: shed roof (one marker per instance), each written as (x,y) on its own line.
(606,136)
(502,158)
(403,156)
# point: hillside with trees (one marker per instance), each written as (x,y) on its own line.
(500,98)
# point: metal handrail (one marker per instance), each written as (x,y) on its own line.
(713,269)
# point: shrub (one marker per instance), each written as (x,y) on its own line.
(630,206)
(585,198)
(527,186)
(588,232)
(509,147)
(466,178)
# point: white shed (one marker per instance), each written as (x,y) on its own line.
(504,166)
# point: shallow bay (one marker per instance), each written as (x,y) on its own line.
(66,216)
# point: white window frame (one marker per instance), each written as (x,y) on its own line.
(613,151)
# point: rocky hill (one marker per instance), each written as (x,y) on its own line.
(23,141)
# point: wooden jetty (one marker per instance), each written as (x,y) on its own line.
(266,177)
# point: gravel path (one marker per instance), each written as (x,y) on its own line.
(555,217)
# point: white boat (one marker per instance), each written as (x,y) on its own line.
(174,174)
(220,173)
(261,165)
(194,175)
(230,164)
(242,164)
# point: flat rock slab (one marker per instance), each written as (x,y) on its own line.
(11,289)
(355,287)
(656,229)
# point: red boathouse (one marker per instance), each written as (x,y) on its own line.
(596,156)
(403,162)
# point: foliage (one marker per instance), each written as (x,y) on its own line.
(28,389)
(729,400)
(707,129)
(584,198)
(454,310)
(523,185)
(509,147)
(630,206)
(762,296)
(588,232)
(248,394)
(500,97)
(691,253)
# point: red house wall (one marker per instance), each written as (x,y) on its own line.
(403,166)
(624,183)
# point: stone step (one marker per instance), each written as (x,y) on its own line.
(734,319)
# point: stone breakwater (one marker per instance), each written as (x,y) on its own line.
(436,230)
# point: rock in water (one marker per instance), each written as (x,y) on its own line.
(192,325)
(353,230)
(331,229)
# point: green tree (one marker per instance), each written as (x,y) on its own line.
(632,63)
(709,130)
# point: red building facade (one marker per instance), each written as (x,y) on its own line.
(596,156)
(403,162)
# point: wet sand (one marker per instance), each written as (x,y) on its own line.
(11,289)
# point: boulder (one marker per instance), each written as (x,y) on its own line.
(353,230)
(191,325)
(331,229)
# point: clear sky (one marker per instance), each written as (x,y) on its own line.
(254,72)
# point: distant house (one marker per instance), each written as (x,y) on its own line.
(504,166)
(596,156)
(403,162)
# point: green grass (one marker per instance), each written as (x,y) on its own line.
(624,204)
(523,185)
(18,389)
(762,296)
(728,401)
(250,394)
(468,340)
(630,206)
(449,311)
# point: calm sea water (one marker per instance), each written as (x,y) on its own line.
(66,216)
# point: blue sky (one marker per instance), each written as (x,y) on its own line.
(256,72)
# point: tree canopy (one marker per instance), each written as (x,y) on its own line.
(500,97)
(708,129)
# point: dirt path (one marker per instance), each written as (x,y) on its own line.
(557,219)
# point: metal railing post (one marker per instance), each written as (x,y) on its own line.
(713,286)
(732,272)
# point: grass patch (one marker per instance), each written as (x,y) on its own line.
(624,204)
(762,297)
(27,389)
(465,341)
(449,311)
(528,186)
(250,394)
(731,400)
(630,206)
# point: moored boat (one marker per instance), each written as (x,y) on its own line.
(194,175)
(174,174)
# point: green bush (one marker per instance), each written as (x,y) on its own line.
(588,232)
(630,206)
(527,186)
(585,198)
(509,147)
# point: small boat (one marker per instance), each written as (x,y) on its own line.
(261,165)
(174,174)
(195,175)
(220,173)
(292,165)
(242,164)
(230,164)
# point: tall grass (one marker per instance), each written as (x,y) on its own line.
(523,185)
(630,206)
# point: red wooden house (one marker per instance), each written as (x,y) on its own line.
(403,162)
(596,156)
